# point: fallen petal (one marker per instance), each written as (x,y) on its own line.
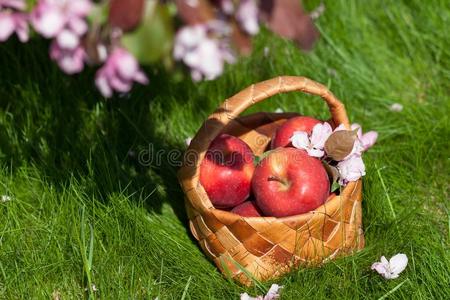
(396,107)
(274,292)
(382,269)
(398,263)
(246,296)
(392,268)
(5,198)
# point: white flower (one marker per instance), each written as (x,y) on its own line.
(392,268)
(396,107)
(351,169)
(272,294)
(315,143)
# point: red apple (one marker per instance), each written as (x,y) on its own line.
(289,182)
(282,136)
(226,171)
(247,209)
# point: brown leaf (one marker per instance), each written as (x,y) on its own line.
(125,14)
(288,19)
(195,12)
(340,144)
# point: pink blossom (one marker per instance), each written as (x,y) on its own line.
(118,73)
(65,21)
(391,269)
(351,169)
(205,55)
(315,143)
(12,19)
(70,59)
(247,16)
(50,17)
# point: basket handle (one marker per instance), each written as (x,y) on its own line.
(232,107)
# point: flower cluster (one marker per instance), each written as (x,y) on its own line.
(64,21)
(211,35)
(352,167)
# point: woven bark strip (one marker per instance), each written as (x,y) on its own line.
(263,248)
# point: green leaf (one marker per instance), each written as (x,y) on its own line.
(335,186)
(258,159)
(153,38)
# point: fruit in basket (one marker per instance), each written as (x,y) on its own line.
(247,209)
(289,182)
(226,171)
(283,135)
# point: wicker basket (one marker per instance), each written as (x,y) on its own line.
(264,248)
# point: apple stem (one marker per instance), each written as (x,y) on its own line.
(276,178)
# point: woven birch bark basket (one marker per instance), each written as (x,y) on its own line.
(264,248)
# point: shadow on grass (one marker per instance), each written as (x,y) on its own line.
(63,126)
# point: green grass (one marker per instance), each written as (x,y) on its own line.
(85,211)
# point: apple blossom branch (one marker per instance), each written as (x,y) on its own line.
(117,36)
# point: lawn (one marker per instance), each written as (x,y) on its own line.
(86,208)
